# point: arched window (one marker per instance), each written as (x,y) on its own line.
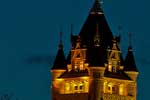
(110,88)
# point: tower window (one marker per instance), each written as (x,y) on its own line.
(81,87)
(81,65)
(76,87)
(114,66)
(110,88)
(109,68)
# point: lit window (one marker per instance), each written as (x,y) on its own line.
(121,89)
(114,63)
(109,88)
(81,65)
(81,87)
(112,89)
(86,86)
(114,66)
(109,68)
(115,89)
(105,87)
(75,67)
(114,69)
(75,87)
(67,88)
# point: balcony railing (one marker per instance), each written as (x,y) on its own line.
(116,97)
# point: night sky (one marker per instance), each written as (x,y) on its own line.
(29,37)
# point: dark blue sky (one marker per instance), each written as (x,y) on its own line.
(29,36)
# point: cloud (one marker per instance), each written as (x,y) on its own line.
(39,59)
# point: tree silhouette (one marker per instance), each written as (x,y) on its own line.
(7,97)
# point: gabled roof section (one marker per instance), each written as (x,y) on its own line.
(89,29)
(96,9)
(129,61)
(115,45)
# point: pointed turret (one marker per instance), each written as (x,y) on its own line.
(60,61)
(129,61)
(96,27)
(130,66)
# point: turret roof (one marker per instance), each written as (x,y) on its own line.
(89,31)
(60,60)
(129,61)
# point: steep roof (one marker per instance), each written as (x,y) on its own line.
(129,61)
(119,75)
(73,74)
(88,33)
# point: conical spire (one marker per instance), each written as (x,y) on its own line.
(96,20)
(129,60)
(96,9)
(60,60)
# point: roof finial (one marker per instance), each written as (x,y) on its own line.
(130,39)
(97,9)
(60,41)
(97,36)
(100,1)
(78,42)
(97,29)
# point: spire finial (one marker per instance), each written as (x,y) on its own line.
(60,41)
(79,39)
(97,36)
(97,9)
(99,1)
(97,29)
(130,39)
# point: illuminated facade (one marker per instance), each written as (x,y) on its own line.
(94,68)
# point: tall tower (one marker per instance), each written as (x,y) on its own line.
(94,68)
